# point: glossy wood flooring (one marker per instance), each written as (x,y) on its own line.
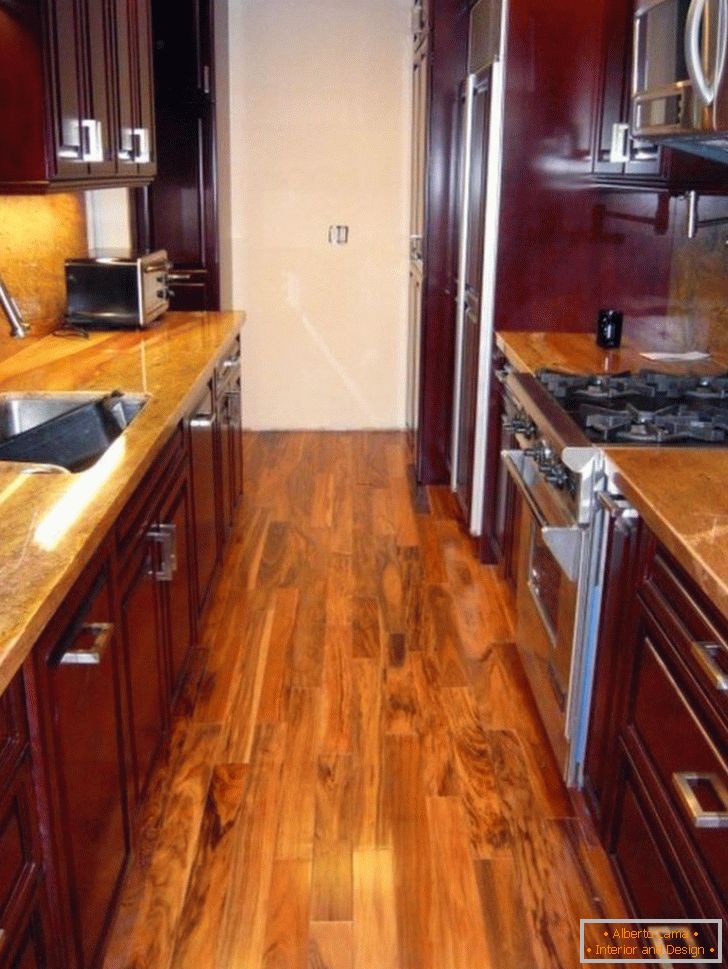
(358,779)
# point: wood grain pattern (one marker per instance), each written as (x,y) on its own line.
(375,791)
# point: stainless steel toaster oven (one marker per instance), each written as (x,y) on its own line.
(117,290)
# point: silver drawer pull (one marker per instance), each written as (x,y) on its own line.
(705,654)
(683,781)
(93,654)
(166,538)
(203,421)
(179,277)
(231,362)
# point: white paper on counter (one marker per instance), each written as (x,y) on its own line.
(688,357)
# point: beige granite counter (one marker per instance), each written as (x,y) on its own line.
(681,493)
(50,525)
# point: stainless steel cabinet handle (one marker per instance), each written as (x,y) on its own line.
(616,506)
(705,654)
(179,277)
(205,421)
(93,140)
(231,362)
(206,79)
(93,654)
(619,150)
(163,535)
(683,781)
(140,137)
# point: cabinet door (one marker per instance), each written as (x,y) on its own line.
(204,463)
(66,51)
(142,27)
(178,587)
(226,471)
(143,639)
(97,134)
(80,691)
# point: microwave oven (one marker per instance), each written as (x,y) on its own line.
(679,83)
(117,289)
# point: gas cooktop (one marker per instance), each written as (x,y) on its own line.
(644,407)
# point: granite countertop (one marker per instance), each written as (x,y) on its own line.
(681,493)
(50,525)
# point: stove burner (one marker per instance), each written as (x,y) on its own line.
(647,407)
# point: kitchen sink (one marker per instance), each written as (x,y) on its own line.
(69,431)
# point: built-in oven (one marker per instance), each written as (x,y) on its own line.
(552,472)
(679,88)
(551,548)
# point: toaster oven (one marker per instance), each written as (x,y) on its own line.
(117,290)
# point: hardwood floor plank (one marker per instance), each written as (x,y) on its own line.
(440,778)
(367,742)
(458,931)
(294,840)
(336,699)
(201,918)
(507,933)
(405,806)
(158,910)
(375,921)
(238,737)
(401,706)
(286,931)
(442,638)
(339,591)
(331,945)
(367,628)
(241,939)
(479,782)
(276,679)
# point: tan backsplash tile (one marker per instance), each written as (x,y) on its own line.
(699,281)
(37,233)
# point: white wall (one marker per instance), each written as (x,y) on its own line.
(319,99)
(108,218)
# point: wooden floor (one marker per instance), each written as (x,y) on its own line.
(358,779)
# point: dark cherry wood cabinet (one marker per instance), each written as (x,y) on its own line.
(620,160)
(178,211)
(656,766)
(158,622)
(78,684)
(77,104)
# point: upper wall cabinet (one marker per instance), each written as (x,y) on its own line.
(76,97)
(620,159)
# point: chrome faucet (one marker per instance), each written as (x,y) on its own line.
(18,327)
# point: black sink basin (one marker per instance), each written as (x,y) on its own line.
(68,431)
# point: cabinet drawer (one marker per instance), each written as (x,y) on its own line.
(692,774)
(697,631)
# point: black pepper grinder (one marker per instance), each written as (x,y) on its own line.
(609,329)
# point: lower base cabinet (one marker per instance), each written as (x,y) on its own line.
(657,757)
(100,689)
(76,679)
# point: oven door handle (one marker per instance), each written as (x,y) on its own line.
(510,462)
(563,541)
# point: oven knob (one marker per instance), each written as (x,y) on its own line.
(557,475)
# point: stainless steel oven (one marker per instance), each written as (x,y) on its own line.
(555,477)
